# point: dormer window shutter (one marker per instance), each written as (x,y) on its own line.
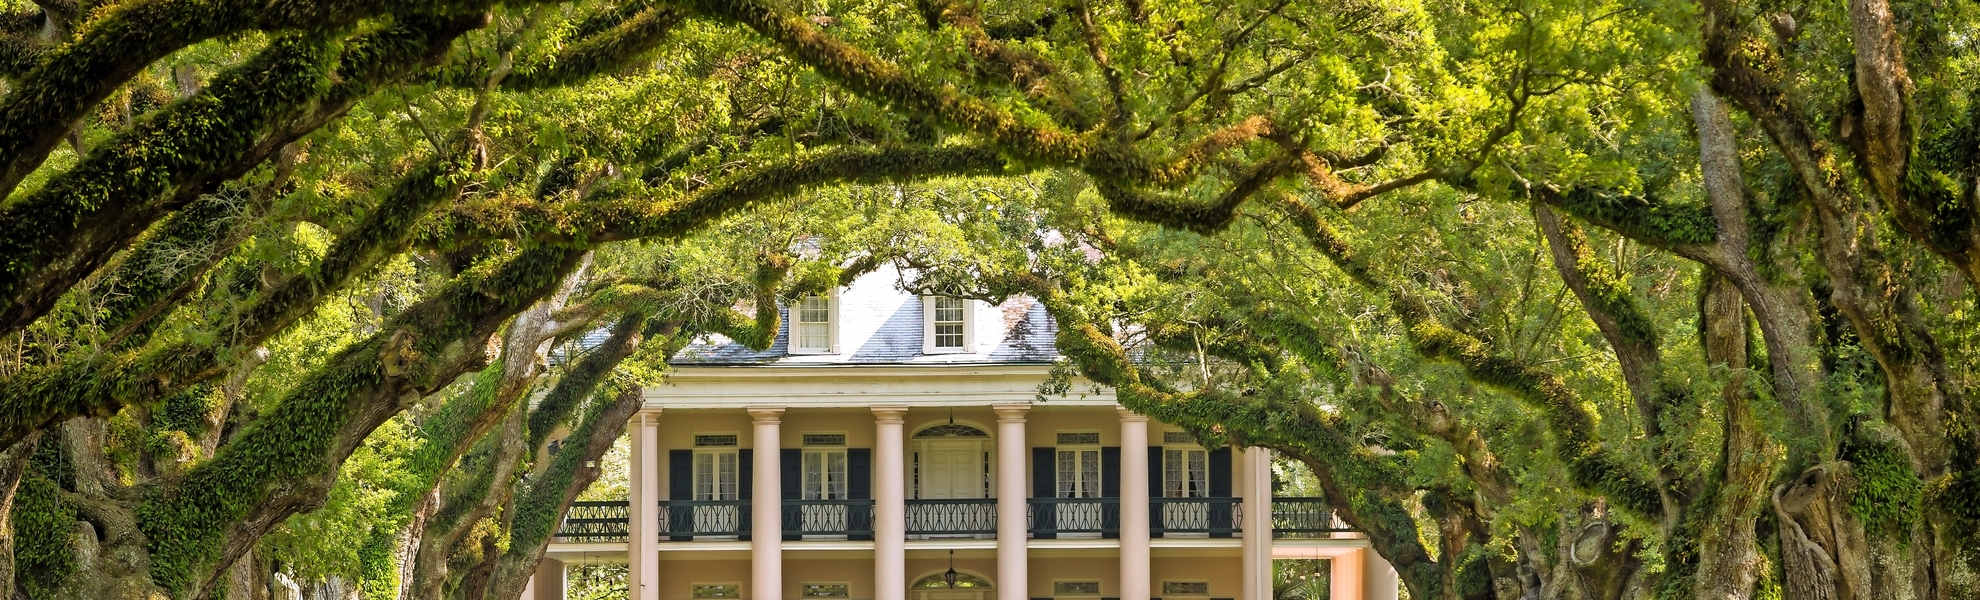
(948,325)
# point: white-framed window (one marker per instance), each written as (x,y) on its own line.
(1185,466)
(825,590)
(1185,589)
(948,325)
(713,591)
(815,325)
(1079,464)
(715,467)
(824,466)
(1070,589)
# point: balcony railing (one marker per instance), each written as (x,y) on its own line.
(1053,517)
(684,520)
(592,522)
(606,521)
(974,517)
(828,518)
(1303,518)
(1214,517)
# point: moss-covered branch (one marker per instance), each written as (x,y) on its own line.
(64,231)
(285,460)
(100,385)
(613,49)
(1591,466)
(613,216)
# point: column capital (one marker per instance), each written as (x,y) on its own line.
(890,414)
(1010,412)
(1129,416)
(646,416)
(764,413)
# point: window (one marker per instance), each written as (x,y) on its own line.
(1079,465)
(814,326)
(1079,438)
(1185,467)
(717,590)
(715,464)
(1185,588)
(824,466)
(1075,588)
(825,590)
(949,325)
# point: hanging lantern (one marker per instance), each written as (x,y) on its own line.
(951,575)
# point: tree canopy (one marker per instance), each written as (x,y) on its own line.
(1593,299)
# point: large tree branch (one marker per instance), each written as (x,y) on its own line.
(285,461)
(64,231)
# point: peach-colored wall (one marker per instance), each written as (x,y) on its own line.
(677,577)
(1107,569)
(1225,574)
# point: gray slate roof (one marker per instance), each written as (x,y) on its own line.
(879,324)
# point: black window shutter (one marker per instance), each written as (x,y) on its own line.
(859,473)
(745,491)
(1220,487)
(1043,517)
(1110,472)
(1155,472)
(1110,487)
(680,488)
(680,474)
(790,463)
(859,486)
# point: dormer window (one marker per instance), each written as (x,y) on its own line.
(948,323)
(816,326)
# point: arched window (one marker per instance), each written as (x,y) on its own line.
(964,581)
(951,430)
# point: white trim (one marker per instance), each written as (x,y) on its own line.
(841,386)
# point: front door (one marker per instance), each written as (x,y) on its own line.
(951,470)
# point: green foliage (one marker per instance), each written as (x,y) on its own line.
(42,525)
(1882,489)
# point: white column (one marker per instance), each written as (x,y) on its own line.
(1134,505)
(548,584)
(889,504)
(1013,531)
(643,508)
(1344,574)
(766,544)
(1257,525)
(1378,580)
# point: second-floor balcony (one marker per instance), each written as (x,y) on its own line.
(704,520)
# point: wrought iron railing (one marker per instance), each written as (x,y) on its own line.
(682,520)
(607,521)
(1215,517)
(847,518)
(592,522)
(972,516)
(1303,518)
(1051,517)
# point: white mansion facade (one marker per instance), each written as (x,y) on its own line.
(894,447)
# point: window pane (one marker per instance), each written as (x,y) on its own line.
(1172,473)
(1199,474)
(1068,479)
(835,470)
(814,475)
(1089,473)
(704,476)
(726,478)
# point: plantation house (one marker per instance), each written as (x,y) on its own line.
(891,447)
